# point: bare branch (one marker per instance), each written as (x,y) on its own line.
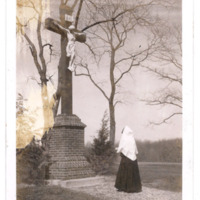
(33,5)
(92,80)
(90,48)
(78,13)
(39,38)
(139,19)
(108,34)
(117,102)
(96,23)
(101,37)
(50,52)
(163,75)
(174,97)
(34,79)
(168,54)
(117,33)
(158,102)
(50,47)
(20,25)
(132,63)
(27,4)
(166,119)
(33,52)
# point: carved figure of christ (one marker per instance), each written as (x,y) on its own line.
(70,48)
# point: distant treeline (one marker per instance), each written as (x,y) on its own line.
(160,151)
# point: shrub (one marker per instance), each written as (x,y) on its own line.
(101,152)
(31,163)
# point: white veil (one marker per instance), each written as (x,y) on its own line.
(127,144)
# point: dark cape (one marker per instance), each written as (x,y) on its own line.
(128,176)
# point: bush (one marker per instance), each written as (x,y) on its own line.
(31,164)
(101,152)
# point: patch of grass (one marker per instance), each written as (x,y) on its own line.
(51,193)
(169,183)
(165,177)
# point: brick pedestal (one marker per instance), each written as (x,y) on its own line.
(66,148)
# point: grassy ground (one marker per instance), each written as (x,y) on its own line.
(51,193)
(154,175)
(162,176)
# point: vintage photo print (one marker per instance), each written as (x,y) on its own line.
(99,101)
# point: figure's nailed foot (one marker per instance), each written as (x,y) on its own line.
(71,68)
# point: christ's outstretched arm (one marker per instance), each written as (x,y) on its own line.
(61,27)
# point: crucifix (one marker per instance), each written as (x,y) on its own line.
(69,35)
(65,140)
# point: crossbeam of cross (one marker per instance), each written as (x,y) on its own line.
(50,25)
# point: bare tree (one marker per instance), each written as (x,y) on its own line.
(166,66)
(38,48)
(111,30)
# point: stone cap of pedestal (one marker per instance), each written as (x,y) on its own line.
(68,121)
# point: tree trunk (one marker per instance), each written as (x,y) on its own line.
(47,110)
(112,122)
(111,99)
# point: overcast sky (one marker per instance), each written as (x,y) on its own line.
(89,104)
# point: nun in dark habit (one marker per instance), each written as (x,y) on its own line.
(128,176)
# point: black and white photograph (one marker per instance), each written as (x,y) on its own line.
(99,92)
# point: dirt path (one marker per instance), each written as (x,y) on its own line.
(106,191)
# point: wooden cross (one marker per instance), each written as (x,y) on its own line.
(64,90)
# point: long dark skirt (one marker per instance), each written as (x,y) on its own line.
(128,176)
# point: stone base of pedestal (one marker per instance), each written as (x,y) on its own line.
(76,183)
(66,148)
(72,167)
